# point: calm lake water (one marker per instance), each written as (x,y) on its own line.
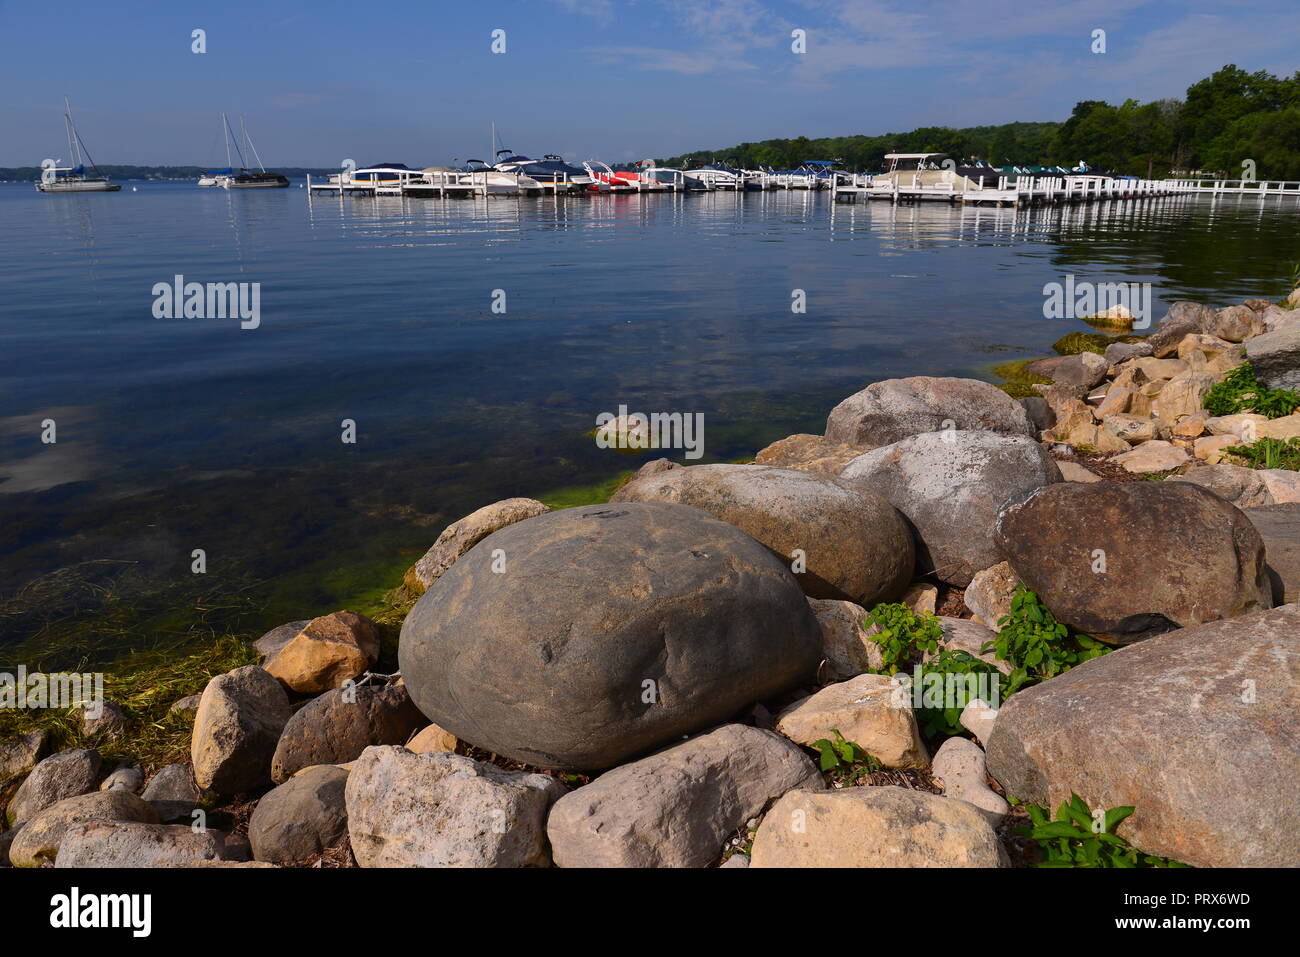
(183,434)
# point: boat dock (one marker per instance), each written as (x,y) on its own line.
(1046,190)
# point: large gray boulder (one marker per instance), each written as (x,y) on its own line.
(950,485)
(303,816)
(60,776)
(880,826)
(885,412)
(236,729)
(131,844)
(1196,729)
(1127,560)
(856,546)
(604,631)
(336,727)
(677,807)
(1183,319)
(1275,357)
(445,810)
(1279,527)
(40,838)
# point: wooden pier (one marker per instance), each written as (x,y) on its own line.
(1046,190)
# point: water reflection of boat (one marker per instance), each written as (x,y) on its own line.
(74,179)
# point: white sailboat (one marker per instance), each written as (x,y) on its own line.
(74,178)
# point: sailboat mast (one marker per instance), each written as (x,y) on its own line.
(225,131)
(74,152)
(249,140)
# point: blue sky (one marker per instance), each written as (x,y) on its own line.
(611,79)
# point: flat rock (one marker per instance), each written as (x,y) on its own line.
(846,647)
(130,844)
(1174,555)
(60,776)
(613,629)
(340,724)
(875,827)
(808,453)
(855,545)
(329,651)
(1118,352)
(19,755)
(446,810)
(40,838)
(950,486)
(1156,456)
(1081,371)
(1074,472)
(866,711)
(236,728)
(1196,729)
(1275,357)
(885,412)
(462,535)
(1279,527)
(303,816)
(677,807)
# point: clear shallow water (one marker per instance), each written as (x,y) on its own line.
(176,434)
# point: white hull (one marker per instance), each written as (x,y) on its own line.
(79,187)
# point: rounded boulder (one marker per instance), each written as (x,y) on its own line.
(855,546)
(588,635)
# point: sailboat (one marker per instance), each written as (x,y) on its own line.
(75,179)
(215,177)
(246,179)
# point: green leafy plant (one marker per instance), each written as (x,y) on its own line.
(903,635)
(943,719)
(1240,391)
(1036,645)
(845,757)
(1268,454)
(1081,838)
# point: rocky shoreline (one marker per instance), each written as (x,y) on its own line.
(905,642)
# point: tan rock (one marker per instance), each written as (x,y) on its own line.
(1131,428)
(808,453)
(875,827)
(1074,472)
(1240,425)
(332,649)
(845,645)
(1096,439)
(869,711)
(432,738)
(1183,396)
(921,598)
(1117,316)
(962,634)
(1282,484)
(1155,456)
(1140,404)
(1287,427)
(1235,323)
(978,717)
(1154,368)
(989,593)
(1070,415)
(462,535)
(1130,376)
(1208,346)
(1191,426)
(1115,402)
(1210,448)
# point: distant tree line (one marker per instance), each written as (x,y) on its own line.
(1225,120)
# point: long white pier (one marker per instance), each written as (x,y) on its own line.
(1031,190)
